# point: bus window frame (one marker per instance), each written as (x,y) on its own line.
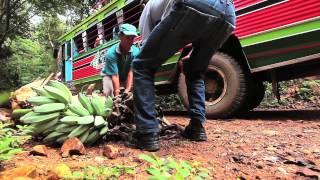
(91,35)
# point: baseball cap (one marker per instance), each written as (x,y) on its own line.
(128,29)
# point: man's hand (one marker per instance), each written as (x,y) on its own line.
(126,95)
(117,92)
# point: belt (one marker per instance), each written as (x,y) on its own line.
(227,1)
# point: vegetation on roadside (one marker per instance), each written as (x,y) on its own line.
(169,168)
(93,172)
(30,61)
(10,141)
(157,168)
(294,94)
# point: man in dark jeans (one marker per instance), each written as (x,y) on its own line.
(204,23)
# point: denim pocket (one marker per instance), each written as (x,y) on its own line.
(178,17)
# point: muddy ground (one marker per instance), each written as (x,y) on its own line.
(260,145)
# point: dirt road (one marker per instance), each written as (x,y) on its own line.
(260,145)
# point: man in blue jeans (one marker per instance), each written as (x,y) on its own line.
(166,26)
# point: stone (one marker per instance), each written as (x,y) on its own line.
(110,152)
(72,146)
(39,150)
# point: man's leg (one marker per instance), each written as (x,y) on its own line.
(168,37)
(107,86)
(217,31)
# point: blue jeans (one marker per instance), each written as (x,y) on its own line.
(204,23)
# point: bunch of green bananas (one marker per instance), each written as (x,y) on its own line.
(57,115)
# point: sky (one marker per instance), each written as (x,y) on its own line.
(35,20)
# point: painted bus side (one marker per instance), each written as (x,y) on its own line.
(273,33)
(274,40)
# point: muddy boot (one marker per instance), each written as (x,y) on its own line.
(195,131)
(145,141)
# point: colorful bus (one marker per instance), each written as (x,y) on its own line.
(275,40)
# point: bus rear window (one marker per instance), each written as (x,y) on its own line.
(108,24)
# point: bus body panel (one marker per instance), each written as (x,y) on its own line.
(272,33)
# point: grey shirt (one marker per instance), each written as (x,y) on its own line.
(155,11)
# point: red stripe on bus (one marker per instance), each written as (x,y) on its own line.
(279,15)
(83,61)
(240,4)
(85,72)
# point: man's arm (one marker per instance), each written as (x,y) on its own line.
(152,14)
(116,84)
(129,82)
(145,22)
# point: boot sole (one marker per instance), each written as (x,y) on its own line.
(143,148)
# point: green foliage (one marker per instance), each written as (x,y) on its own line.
(4,97)
(291,92)
(10,140)
(77,10)
(29,61)
(305,91)
(162,169)
(170,102)
(93,172)
(49,30)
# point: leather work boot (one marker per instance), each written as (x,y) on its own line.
(195,131)
(145,141)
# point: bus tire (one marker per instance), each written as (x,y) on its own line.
(225,87)
(255,95)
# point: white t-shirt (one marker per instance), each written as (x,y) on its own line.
(154,12)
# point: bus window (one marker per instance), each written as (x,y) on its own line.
(132,13)
(92,35)
(108,24)
(78,42)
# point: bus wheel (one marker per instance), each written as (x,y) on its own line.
(225,87)
(255,95)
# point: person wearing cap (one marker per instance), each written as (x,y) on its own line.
(117,71)
(166,26)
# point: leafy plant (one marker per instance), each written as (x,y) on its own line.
(168,168)
(10,140)
(29,61)
(93,172)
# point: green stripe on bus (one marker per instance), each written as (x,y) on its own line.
(286,32)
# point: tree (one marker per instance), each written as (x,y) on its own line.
(29,61)
(78,10)
(13,20)
(49,30)
(15,16)
(25,51)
